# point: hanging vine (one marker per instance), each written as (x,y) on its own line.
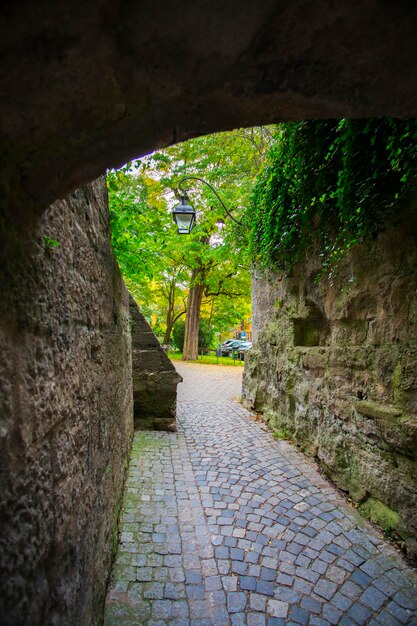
(331,182)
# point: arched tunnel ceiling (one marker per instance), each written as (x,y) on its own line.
(88,84)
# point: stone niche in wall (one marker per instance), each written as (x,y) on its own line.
(334,368)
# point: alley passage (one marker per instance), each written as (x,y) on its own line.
(222,524)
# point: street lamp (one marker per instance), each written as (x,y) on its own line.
(184,215)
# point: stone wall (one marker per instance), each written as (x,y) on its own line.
(155,379)
(66,412)
(335,369)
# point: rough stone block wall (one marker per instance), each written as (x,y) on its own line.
(155,379)
(335,369)
(66,412)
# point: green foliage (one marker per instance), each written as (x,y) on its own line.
(205,335)
(178,335)
(380,514)
(280,433)
(140,224)
(156,263)
(329,182)
(50,243)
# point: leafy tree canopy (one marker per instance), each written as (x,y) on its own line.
(159,266)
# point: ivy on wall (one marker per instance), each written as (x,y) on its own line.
(333,182)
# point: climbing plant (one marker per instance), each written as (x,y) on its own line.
(331,182)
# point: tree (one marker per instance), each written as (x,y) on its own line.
(172,314)
(183,275)
(151,261)
(231,162)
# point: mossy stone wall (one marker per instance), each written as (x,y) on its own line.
(335,369)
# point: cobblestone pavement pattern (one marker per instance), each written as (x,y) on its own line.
(222,524)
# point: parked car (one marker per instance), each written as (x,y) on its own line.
(221,347)
(227,343)
(234,345)
(242,349)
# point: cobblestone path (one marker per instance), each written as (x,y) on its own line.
(224,525)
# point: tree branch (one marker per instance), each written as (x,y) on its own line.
(224,293)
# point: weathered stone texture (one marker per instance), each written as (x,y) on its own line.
(66,413)
(335,368)
(93,84)
(155,379)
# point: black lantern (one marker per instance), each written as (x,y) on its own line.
(184,216)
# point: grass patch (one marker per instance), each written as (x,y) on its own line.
(208,359)
(280,433)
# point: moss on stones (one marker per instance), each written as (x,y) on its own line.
(380,514)
(378,411)
(351,400)
(280,433)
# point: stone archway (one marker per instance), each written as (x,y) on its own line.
(86,86)
(89,85)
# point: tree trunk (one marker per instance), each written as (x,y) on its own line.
(170,318)
(167,336)
(192,321)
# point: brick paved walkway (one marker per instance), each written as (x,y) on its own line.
(224,525)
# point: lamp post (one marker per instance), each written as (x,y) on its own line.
(183,214)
